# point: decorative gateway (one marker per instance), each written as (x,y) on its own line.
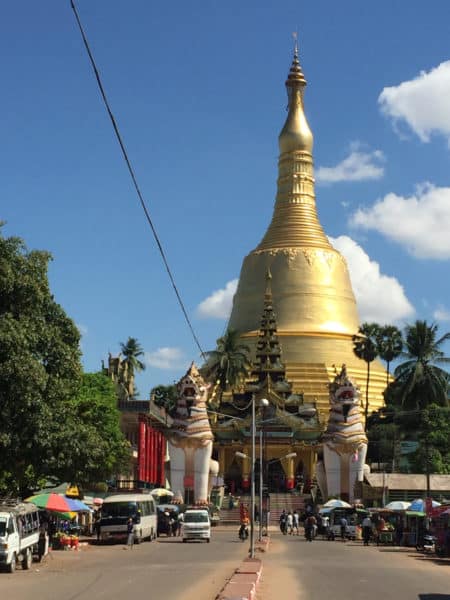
(191,440)
(344,441)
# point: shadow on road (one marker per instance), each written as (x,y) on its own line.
(434,596)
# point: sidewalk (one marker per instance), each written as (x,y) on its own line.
(278,581)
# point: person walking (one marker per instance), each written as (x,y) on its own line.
(130,533)
(289,523)
(283,522)
(296,520)
(310,524)
(344,525)
(366,529)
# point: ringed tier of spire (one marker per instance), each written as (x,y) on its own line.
(295,222)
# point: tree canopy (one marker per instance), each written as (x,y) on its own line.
(229,363)
(44,422)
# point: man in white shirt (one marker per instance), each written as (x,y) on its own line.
(366,529)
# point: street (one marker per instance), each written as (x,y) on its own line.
(299,570)
(293,569)
(165,568)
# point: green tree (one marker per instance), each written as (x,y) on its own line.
(420,381)
(40,368)
(90,439)
(365,347)
(390,345)
(165,396)
(433,454)
(132,351)
(229,363)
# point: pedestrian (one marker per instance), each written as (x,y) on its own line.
(326,528)
(344,525)
(296,520)
(289,523)
(399,532)
(173,523)
(310,524)
(283,522)
(366,529)
(179,523)
(130,533)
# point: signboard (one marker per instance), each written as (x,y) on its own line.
(73,491)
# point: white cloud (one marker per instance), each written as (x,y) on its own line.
(379,297)
(421,102)
(166,358)
(420,223)
(218,304)
(441,314)
(359,165)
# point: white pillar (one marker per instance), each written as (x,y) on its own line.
(177,469)
(356,468)
(332,462)
(202,458)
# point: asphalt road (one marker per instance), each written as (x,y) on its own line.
(165,569)
(321,570)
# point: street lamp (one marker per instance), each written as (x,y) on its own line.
(263,403)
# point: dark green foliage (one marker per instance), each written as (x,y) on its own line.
(46,423)
(39,365)
(165,396)
(229,362)
(390,345)
(91,441)
(132,350)
(434,436)
(365,347)
(420,381)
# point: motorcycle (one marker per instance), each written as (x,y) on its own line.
(243,532)
(426,543)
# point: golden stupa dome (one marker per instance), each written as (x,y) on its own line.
(312,293)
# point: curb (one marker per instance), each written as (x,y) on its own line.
(243,583)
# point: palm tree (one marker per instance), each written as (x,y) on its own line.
(229,363)
(421,382)
(365,347)
(131,351)
(390,345)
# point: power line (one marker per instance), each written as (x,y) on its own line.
(135,183)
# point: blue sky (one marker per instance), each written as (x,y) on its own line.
(198,92)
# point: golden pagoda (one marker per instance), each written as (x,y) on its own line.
(312,293)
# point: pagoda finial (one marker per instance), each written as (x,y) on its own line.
(295,38)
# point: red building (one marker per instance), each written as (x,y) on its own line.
(142,423)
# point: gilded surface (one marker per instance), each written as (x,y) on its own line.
(312,293)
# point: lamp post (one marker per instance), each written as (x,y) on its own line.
(252,498)
(263,403)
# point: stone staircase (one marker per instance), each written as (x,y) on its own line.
(278,502)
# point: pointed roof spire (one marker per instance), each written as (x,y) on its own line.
(295,77)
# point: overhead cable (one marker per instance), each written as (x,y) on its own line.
(135,183)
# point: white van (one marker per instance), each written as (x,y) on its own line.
(19,534)
(118,508)
(196,525)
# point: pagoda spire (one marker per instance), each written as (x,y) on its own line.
(268,369)
(295,222)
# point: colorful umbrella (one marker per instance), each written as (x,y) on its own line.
(51,501)
(76,505)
